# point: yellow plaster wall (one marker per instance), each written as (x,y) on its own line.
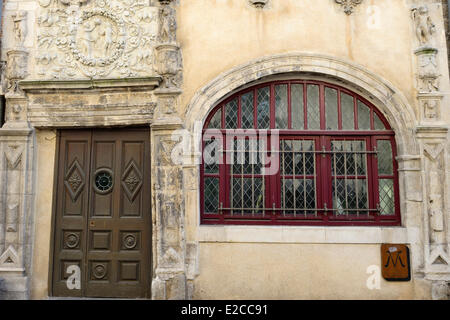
(294,271)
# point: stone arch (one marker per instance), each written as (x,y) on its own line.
(388,99)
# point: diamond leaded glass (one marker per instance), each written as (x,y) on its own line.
(281,107)
(385,165)
(378,124)
(363,116)
(247,110)
(211,196)
(216,120)
(263,108)
(348,112)
(331,107)
(313,107)
(297,110)
(231,115)
(386,191)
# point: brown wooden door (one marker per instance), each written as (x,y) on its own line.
(103,214)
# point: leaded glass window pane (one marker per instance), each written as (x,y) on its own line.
(378,124)
(363,116)
(246,159)
(348,113)
(247,195)
(297,110)
(211,156)
(216,120)
(386,191)
(313,107)
(349,171)
(331,107)
(264,108)
(385,164)
(211,196)
(247,111)
(281,107)
(231,115)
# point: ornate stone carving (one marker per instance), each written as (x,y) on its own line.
(16,70)
(165,152)
(167,25)
(431,109)
(168,64)
(13,156)
(349,5)
(168,56)
(258,3)
(20,28)
(99,39)
(10,261)
(423,24)
(428,70)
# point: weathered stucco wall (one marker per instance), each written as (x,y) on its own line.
(293,271)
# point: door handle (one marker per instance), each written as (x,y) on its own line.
(92,223)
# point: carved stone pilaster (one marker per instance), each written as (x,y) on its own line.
(16,156)
(168,60)
(169,280)
(433,140)
(428,72)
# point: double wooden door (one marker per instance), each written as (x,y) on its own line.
(102,233)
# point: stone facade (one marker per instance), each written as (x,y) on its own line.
(165,64)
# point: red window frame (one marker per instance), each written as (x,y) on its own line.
(323,180)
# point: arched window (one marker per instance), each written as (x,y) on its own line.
(301,153)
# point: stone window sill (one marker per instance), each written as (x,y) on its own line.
(277,234)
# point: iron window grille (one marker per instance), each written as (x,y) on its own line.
(336,155)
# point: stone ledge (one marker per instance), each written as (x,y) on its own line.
(88,84)
(303,235)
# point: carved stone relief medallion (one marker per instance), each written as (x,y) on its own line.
(99,39)
(96,39)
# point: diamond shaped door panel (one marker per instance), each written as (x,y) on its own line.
(103,221)
(132,180)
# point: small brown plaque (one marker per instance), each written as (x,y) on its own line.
(395,262)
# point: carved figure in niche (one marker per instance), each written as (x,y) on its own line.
(424,26)
(167,25)
(430,109)
(20,27)
(106,34)
(88,39)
